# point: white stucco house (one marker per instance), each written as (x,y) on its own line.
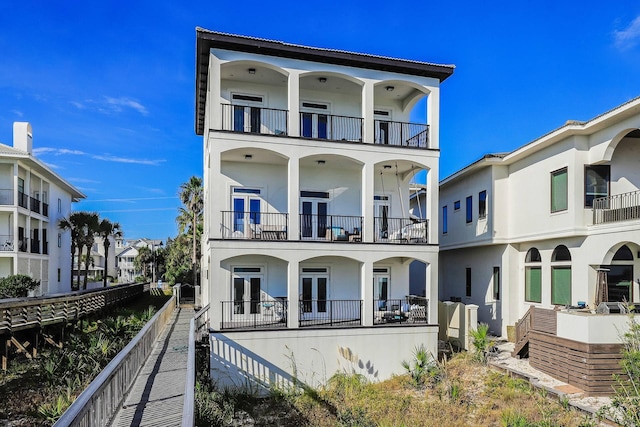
(308,158)
(125,255)
(33,198)
(545,226)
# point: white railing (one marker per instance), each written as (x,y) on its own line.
(97,404)
(200,319)
(621,207)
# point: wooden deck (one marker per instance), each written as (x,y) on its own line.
(157,396)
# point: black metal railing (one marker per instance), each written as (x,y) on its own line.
(23,200)
(6,243)
(415,135)
(45,209)
(254,314)
(35,246)
(45,248)
(6,196)
(34,205)
(332,228)
(400,230)
(267,121)
(330,127)
(621,207)
(410,309)
(254,225)
(316,312)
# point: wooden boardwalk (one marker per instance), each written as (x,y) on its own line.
(156,397)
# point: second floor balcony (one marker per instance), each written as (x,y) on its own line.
(621,207)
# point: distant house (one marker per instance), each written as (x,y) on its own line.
(33,198)
(548,232)
(309,155)
(125,255)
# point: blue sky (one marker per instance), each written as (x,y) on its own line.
(109,86)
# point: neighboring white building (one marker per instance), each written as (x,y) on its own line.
(126,253)
(308,158)
(33,199)
(533,227)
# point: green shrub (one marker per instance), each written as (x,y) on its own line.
(481,342)
(17,286)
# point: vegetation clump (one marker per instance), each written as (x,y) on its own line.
(17,286)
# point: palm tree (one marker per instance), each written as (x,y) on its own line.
(89,228)
(143,259)
(75,224)
(107,229)
(191,198)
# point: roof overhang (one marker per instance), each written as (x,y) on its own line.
(207,40)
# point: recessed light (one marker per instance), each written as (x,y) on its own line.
(322,79)
(250,156)
(321,162)
(389,88)
(387,166)
(251,70)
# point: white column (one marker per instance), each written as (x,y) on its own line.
(432,289)
(433,206)
(293,101)
(367,111)
(294,199)
(219,290)
(214,119)
(293,294)
(366,292)
(433,117)
(367,202)
(471,317)
(217,197)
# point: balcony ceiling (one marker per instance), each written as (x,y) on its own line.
(262,76)
(258,156)
(330,162)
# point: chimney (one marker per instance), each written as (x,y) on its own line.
(22,136)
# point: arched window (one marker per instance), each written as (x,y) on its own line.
(533,276)
(561,276)
(623,254)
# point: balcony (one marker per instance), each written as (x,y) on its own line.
(622,207)
(413,135)
(34,204)
(23,200)
(330,127)
(400,230)
(45,209)
(255,314)
(254,225)
(265,121)
(6,243)
(331,228)
(411,309)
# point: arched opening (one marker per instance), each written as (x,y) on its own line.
(533,276)
(561,276)
(619,276)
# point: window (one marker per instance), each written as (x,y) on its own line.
(59,240)
(468,282)
(59,206)
(456,205)
(445,225)
(561,276)
(596,183)
(496,283)
(482,204)
(469,209)
(533,276)
(20,185)
(559,190)
(59,275)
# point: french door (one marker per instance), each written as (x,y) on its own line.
(314,294)
(246,296)
(246,205)
(381,208)
(313,224)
